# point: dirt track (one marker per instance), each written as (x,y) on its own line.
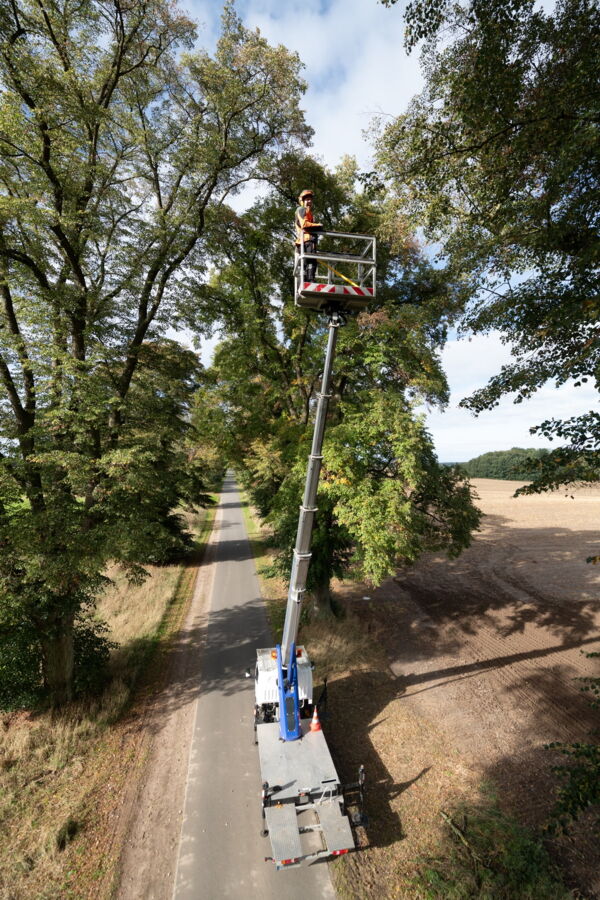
(489,646)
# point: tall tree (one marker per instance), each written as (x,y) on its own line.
(114,153)
(384,499)
(498,159)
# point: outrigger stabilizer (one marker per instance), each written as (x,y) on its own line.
(306,811)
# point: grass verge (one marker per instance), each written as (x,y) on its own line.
(62,776)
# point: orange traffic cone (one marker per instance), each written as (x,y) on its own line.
(315,725)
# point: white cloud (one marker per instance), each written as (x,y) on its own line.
(459,435)
(356,66)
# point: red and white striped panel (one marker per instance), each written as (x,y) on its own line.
(319,288)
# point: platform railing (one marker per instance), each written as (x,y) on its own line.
(337,269)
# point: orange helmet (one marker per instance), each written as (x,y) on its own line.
(304,194)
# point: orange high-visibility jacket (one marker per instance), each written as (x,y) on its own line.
(304,217)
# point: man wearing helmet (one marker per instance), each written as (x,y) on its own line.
(307,232)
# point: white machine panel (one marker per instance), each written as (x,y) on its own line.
(265,685)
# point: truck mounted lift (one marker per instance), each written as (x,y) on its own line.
(307,812)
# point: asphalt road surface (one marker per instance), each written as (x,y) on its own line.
(221,852)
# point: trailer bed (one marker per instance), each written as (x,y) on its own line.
(305,815)
(302,766)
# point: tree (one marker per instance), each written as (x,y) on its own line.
(498,159)
(517,463)
(115,153)
(383,499)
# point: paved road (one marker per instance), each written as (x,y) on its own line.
(221,853)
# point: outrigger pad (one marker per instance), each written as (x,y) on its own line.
(317,295)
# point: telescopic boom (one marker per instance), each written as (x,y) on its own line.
(302,551)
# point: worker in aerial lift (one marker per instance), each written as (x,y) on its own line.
(307,232)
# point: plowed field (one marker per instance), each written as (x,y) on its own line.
(489,646)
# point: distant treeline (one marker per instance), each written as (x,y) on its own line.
(506,464)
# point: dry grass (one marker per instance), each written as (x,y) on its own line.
(53,766)
(134,611)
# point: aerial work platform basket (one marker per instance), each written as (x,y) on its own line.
(344,276)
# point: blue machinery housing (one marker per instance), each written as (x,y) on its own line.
(289,704)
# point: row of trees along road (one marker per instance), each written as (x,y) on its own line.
(383,497)
(497,159)
(116,151)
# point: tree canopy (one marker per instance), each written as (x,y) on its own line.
(498,159)
(116,150)
(384,499)
(517,463)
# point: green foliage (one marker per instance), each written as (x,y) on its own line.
(391,494)
(331,541)
(116,152)
(497,159)
(20,669)
(488,855)
(579,776)
(518,464)
(21,682)
(91,656)
(383,499)
(578,461)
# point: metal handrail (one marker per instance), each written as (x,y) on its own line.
(349,234)
(341,257)
(364,260)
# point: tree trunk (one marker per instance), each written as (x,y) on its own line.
(57,661)
(322,601)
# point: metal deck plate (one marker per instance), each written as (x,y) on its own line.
(336,827)
(302,765)
(282,823)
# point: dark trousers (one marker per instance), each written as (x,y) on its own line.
(310,263)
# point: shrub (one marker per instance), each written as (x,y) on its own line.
(21,670)
(92,653)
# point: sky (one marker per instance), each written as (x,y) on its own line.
(356,69)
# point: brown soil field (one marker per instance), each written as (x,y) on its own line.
(487,649)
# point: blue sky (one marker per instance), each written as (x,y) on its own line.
(356,68)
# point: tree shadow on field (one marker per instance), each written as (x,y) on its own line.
(356,704)
(540,573)
(435,607)
(459,672)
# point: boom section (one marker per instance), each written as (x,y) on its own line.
(302,551)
